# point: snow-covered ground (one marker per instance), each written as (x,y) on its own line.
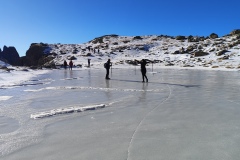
(13,76)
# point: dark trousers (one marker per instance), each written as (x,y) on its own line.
(144,75)
(107,74)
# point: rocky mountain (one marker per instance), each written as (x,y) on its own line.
(184,51)
(10,55)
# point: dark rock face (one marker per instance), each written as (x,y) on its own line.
(10,55)
(35,55)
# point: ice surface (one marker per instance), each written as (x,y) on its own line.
(8,125)
(179,114)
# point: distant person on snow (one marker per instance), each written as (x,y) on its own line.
(89,62)
(107,65)
(143,63)
(70,64)
(65,64)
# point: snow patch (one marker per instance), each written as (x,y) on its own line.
(93,88)
(4,98)
(65,111)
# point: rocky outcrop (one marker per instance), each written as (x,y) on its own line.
(191,48)
(180,37)
(234,32)
(195,39)
(10,56)
(35,55)
(213,36)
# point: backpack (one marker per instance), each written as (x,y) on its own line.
(105,65)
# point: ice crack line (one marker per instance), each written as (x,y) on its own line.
(136,130)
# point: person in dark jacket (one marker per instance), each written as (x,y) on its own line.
(89,62)
(65,64)
(108,65)
(143,64)
(70,64)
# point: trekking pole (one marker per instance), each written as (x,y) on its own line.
(111,69)
(152,66)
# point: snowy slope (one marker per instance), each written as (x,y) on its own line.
(165,50)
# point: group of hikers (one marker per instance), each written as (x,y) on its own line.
(65,64)
(108,65)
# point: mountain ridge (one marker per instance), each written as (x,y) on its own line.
(181,51)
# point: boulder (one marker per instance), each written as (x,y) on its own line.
(137,38)
(190,38)
(180,37)
(89,55)
(213,36)
(176,52)
(191,48)
(131,62)
(221,52)
(195,39)
(200,53)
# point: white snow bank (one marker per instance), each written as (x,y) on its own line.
(4,98)
(18,76)
(93,88)
(65,110)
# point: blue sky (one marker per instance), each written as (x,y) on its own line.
(78,21)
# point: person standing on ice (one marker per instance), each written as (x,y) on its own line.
(89,62)
(143,64)
(70,64)
(65,64)
(107,65)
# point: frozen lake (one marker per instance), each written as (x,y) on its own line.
(178,115)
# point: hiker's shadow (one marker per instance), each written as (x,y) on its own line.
(171,84)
